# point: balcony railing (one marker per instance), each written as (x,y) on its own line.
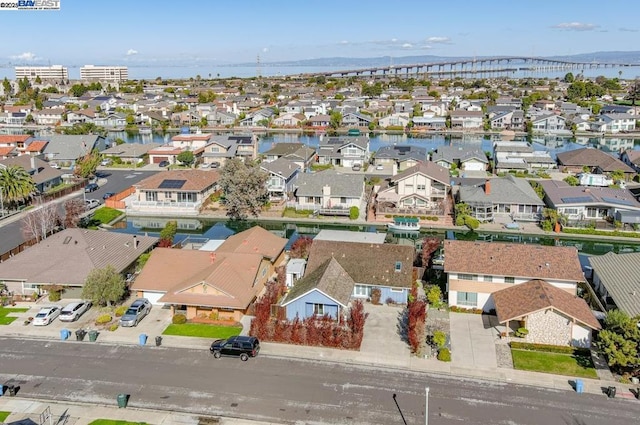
(410,210)
(164,207)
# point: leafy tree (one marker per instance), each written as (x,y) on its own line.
(550,218)
(244,187)
(119,142)
(335,120)
(86,166)
(168,233)
(16,185)
(434,296)
(617,175)
(569,78)
(430,244)
(632,95)
(73,209)
(187,158)
(300,248)
(77,90)
(7,89)
(38,80)
(620,340)
(104,286)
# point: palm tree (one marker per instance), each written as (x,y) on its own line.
(16,185)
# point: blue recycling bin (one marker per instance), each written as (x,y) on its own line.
(143,339)
(64,334)
(579,386)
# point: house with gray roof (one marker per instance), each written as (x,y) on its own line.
(66,258)
(506,198)
(595,160)
(400,156)
(614,123)
(328,192)
(344,151)
(463,157)
(282,177)
(615,280)
(44,176)
(130,152)
(279,150)
(224,147)
(356,119)
(520,156)
(585,204)
(66,149)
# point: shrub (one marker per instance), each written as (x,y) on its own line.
(179,319)
(444,355)
(547,348)
(434,295)
(389,301)
(213,315)
(439,339)
(103,319)
(460,220)
(113,327)
(471,222)
(120,311)
(522,332)
(354,213)
(376,293)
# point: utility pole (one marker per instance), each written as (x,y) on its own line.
(426,406)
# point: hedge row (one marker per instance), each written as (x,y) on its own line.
(546,348)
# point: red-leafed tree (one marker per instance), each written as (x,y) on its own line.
(430,244)
(416,321)
(73,209)
(300,248)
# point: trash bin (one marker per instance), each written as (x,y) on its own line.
(1,390)
(11,390)
(158,341)
(80,334)
(93,335)
(64,334)
(611,392)
(123,399)
(142,339)
(579,386)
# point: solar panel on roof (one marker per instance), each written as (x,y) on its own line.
(576,199)
(171,184)
(617,201)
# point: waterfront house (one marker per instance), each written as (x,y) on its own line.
(463,158)
(52,116)
(429,122)
(288,120)
(81,116)
(44,176)
(614,123)
(221,284)
(631,157)
(520,156)
(282,177)
(394,120)
(548,123)
(344,151)
(475,270)
(172,192)
(597,161)
(191,142)
(509,120)
(66,258)
(615,281)
(505,198)
(66,149)
(320,121)
(461,119)
(400,157)
(328,192)
(423,189)
(340,271)
(133,153)
(260,118)
(280,150)
(224,147)
(113,120)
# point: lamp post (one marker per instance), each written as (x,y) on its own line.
(2,201)
(426,406)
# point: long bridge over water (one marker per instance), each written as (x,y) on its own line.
(483,67)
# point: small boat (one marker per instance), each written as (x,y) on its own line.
(404,224)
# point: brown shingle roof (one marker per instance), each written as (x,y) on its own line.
(592,158)
(429,169)
(330,278)
(190,137)
(517,301)
(512,259)
(254,241)
(367,263)
(195,180)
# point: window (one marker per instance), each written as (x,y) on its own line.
(361,290)
(264,272)
(343,200)
(151,196)
(469,299)
(464,276)
(422,187)
(168,195)
(318,309)
(488,278)
(395,290)
(509,279)
(398,266)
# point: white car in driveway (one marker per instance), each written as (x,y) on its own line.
(92,203)
(46,315)
(72,312)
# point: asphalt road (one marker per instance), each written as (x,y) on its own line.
(116,181)
(285,391)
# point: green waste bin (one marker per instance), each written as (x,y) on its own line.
(122,400)
(93,335)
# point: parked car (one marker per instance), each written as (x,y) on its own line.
(236,346)
(108,195)
(215,164)
(136,312)
(54,165)
(379,167)
(46,315)
(163,164)
(356,167)
(92,203)
(72,312)
(105,162)
(91,187)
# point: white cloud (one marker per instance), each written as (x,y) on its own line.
(407,45)
(344,42)
(265,49)
(132,52)
(576,26)
(26,56)
(443,40)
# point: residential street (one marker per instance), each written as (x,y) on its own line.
(284,391)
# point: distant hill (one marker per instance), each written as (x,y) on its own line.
(348,63)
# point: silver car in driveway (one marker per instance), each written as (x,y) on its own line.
(72,312)
(136,312)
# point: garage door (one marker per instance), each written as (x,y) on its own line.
(153,297)
(159,159)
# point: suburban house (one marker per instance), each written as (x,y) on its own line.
(509,120)
(476,270)
(320,121)
(595,160)
(51,116)
(66,258)
(17,143)
(614,123)
(420,190)
(339,271)
(164,153)
(520,156)
(328,192)
(344,151)
(631,158)
(507,198)
(461,119)
(44,176)
(461,157)
(282,177)
(354,119)
(548,123)
(223,283)
(615,281)
(133,153)
(172,192)
(429,122)
(587,203)
(400,157)
(551,315)
(280,150)
(66,149)
(191,142)
(222,148)
(113,120)
(394,120)
(289,119)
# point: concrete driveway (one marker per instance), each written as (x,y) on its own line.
(382,341)
(473,341)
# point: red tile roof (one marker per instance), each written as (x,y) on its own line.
(14,138)
(37,146)
(6,150)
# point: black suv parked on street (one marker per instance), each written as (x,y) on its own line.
(236,346)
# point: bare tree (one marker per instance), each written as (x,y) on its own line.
(73,209)
(40,222)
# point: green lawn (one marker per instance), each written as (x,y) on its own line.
(4,311)
(4,415)
(202,330)
(557,363)
(106,215)
(114,422)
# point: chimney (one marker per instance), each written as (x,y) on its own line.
(33,164)
(212,256)
(487,187)
(135,242)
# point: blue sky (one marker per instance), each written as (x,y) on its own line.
(162,32)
